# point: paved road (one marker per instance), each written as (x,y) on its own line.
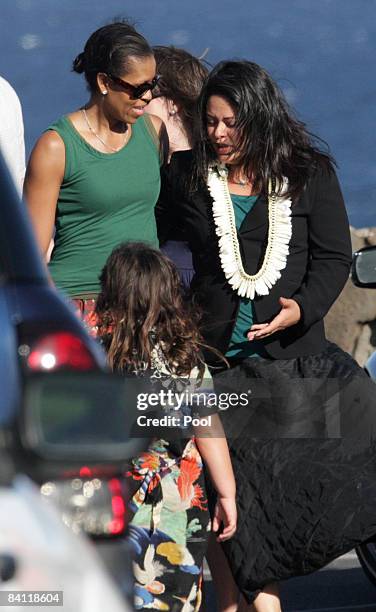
(340,587)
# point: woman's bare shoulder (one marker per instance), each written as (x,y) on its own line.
(50,142)
(48,154)
(157,123)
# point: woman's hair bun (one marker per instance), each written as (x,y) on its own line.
(79,63)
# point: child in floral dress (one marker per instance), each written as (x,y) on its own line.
(148,331)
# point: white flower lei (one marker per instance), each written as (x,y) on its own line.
(279,235)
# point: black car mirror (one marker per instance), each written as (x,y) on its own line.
(80,417)
(76,435)
(364,268)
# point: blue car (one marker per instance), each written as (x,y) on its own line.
(61,411)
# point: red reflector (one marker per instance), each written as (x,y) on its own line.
(115,486)
(118,506)
(85,472)
(60,350)
(116,526)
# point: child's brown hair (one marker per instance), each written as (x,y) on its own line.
(141,306)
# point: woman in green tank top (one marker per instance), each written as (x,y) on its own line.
(93,176)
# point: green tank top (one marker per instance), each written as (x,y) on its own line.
(104,200)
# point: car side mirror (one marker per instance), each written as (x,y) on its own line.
(363,270)
(75,436)
(80,417)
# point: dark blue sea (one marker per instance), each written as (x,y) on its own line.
(322,53)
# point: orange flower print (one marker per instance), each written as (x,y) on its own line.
(148,461)
(189,473)
(198,499)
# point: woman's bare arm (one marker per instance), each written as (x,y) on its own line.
(44,175)
(215,454)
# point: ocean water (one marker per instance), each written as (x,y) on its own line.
(322,53)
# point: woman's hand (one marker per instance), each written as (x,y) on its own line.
(225,515)
(288,316)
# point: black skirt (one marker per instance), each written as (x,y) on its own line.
(303,449)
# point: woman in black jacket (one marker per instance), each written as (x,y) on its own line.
(271,249)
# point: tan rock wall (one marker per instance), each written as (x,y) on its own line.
(351,322)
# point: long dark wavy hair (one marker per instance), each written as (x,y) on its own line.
(141,306)
(273,143)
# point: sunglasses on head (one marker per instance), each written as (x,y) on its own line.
(135,91)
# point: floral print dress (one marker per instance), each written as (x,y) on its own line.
(169,524)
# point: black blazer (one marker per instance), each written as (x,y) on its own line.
(317,265)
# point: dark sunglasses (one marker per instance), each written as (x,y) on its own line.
(135,91)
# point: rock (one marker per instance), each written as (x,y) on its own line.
(365,234)
(352,319)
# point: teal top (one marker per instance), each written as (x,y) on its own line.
(105,199)
(239,345)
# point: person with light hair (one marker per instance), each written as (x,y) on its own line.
(174,102)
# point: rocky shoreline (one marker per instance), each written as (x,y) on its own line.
(351,322)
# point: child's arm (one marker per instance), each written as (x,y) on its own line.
(215,454)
